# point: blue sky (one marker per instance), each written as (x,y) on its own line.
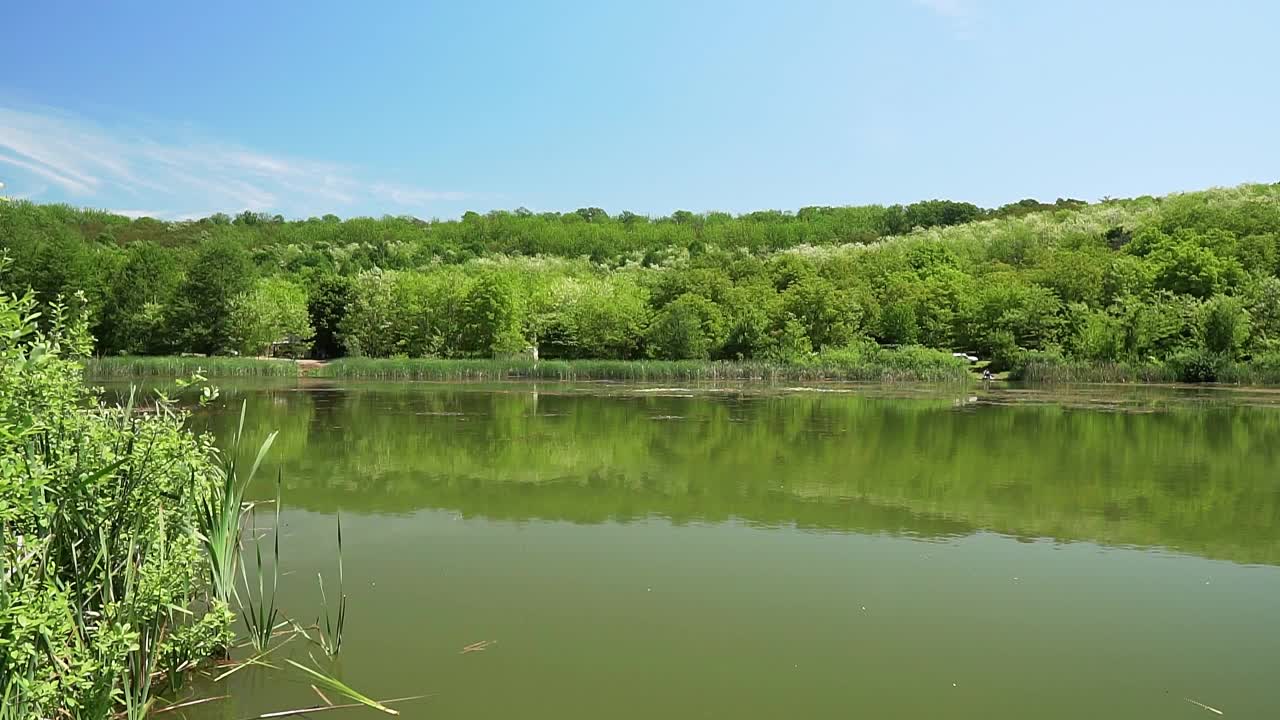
(427,108)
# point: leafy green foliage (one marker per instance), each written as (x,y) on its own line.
(595,318)
(120,532)
(1196,365)
(490,317)
(327,306)
(827,313)
(1224,326)
(141,289)
(1187,267)
(1007,313)
(1124,281)
(100,566)
(691,327)
(204,302)
(271,319)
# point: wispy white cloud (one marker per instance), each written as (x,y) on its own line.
(403,195)
(962,15)
(947,8)
(36,168)
(89,163)
(135,214)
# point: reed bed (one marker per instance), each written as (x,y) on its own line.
(211,367)
(1260,372)
(637,370)
(860,364)
(1065,372)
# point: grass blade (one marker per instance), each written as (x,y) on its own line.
(342,688)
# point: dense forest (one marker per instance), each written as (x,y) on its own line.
(1186,281)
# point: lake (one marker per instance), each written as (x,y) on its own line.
(636,552)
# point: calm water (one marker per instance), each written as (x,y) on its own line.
(645,553)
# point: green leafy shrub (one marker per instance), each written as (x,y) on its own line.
(1224,326)
(102,579)
(865,360)
(1196,365)
(690,327)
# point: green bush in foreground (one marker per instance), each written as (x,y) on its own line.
(120,536)
(102,580)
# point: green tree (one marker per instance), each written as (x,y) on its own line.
(898,323)
(787,269)
(710,283)
(1187,267)
(1075,276)
(274,311)
(372,315)
(1224,326)
(930,258)
(829,316)
(789,344)
(327,307)
(752,315)
(1098,335)
(1259,253)
(221,272)
(1126,275)
(491,317)
(1005,313)
(578,280)
(67,267)
(1158,326)
(1262,302)
(599,318)
(690,327)
(133,319)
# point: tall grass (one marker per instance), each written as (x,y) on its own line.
(1065,372)
(868,366)
(331,632)
(819,369)
(221,513)
(137,366)
(1262,371)
(259,612)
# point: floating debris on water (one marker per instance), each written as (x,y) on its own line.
(1206,707)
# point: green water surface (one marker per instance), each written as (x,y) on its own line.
(848,552)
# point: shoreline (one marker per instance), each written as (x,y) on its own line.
(464,370)
(746,372)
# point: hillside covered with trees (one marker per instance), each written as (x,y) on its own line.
(1188,282)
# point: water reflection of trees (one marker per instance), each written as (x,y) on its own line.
(1197,480)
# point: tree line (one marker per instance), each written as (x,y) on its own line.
(1190,279)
